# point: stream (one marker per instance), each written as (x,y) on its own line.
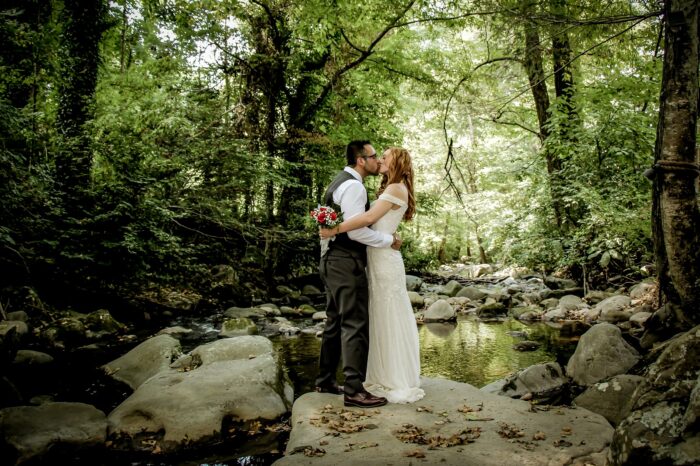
(468,350)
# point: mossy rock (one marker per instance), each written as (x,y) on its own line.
(102,321)
(238,326)
(307,310)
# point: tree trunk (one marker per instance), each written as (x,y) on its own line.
(675,207)
(535,74)
(675,215)
(83,27)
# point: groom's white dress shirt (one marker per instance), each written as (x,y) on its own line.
(351,196)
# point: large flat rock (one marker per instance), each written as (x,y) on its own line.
(324,432)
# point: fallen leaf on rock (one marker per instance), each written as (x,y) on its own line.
(360,446)
(254,428)
(311,451)
(510,431)
(417,453)
(524,444)
(323,442)
(526,397)
(469,409)
(566,431)
(562,443)
(424,409)
(539,435)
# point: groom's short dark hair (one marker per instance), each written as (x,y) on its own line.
(354,150)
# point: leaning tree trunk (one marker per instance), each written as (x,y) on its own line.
(675,215)
(532,62)
(84,24)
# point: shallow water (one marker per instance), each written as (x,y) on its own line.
(468,351)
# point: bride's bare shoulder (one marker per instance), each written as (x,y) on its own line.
(397,190)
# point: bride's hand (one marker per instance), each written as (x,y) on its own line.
(326,233)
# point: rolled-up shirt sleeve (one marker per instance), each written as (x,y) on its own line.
(352,200)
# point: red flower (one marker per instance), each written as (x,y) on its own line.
(333,216)
(321,217)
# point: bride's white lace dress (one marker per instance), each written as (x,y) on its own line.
(393,365)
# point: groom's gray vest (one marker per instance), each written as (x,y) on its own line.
(343,241)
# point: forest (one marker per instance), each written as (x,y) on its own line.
(162,143)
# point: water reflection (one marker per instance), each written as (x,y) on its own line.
(468,351)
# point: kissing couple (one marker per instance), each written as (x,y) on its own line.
(369,317)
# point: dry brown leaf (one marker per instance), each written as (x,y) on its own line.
(417,453)
(539,435)
(311,451)
(510,431)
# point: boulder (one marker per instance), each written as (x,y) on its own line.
(456,413)
(662,427)
(237,326)
(101,321)
(640,290)
(439,311)
(67,331)
(230,349)
(32,358)
(18,315)
(530,316)
(253,313)
(416,299)
(320,315)
(549,303)
(542,381)
(561,293)
(413,283)
(178,409)
(490,311)
(613,303)
(30,432)
(472,292)
(556,283)
(601,352)
(615,316)
(639,318)
(573,328)
(451,288)
(518,312)
(554,315)
(611,399)
(144,361)
(310,290)
(595,296)
(571,303)
(176,332)
(307,310)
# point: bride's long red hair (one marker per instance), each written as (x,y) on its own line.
(400,171)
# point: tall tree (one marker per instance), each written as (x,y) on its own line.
(676,216)
(84,22)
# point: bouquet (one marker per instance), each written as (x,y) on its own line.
(326,217)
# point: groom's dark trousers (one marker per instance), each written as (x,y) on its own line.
(346,334)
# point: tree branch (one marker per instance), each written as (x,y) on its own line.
(494,60)
(306,114)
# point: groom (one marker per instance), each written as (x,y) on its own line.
(343,273)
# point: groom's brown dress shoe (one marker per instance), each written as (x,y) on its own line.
(335,389)
(364,400)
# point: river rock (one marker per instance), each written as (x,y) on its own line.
(526,345)
(416,299)
(18,315)
(379,442)
(554,315)
(530,316)
(542,381)
(176,331)
(595,296)
(557,283)
(613,303)
(67,331)
(640,290)
(611,399)
(253,313)
(451,288)
(639,318)
(662,427)
(181,409)
(101,321)
(531,299)
(144,361)
(310,290)
(561,293)
(472,292)
(591,314)
(32,358)
(573,328)
(307,310)
(571,303)
(237,326)
(320,315)
(229,349)
(477,270)
(601,353)
(517,312)
(490,311)
(439,311)
(29,432)
(549,303)
(413,283)
(615,316)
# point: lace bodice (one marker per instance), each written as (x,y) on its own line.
(391,220)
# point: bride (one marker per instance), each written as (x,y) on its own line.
(393,366)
